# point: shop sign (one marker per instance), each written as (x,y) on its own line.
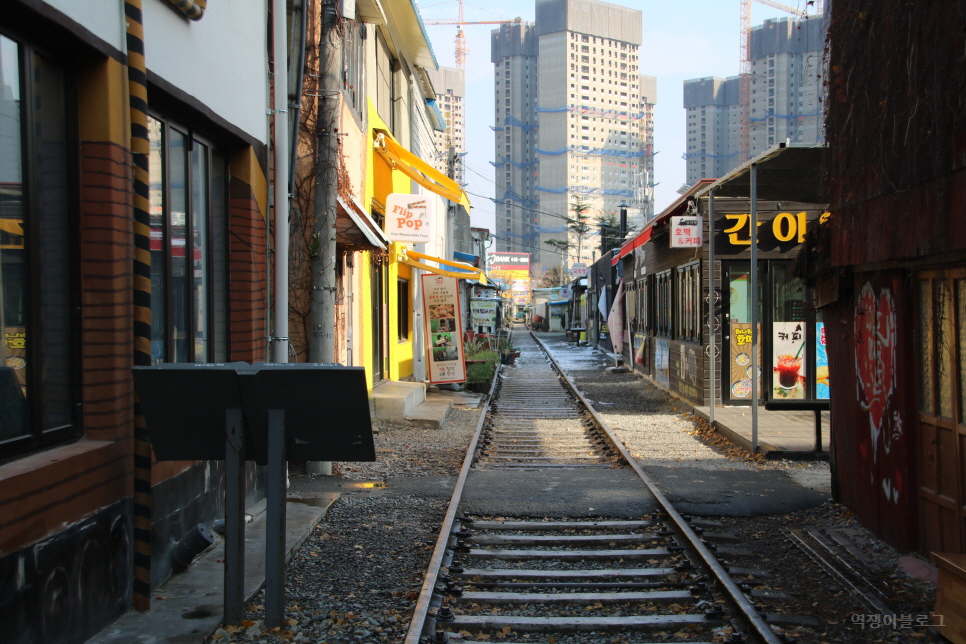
(444,328)
(784,228)
(483,312)
(579,269)
(741,371)
(788,358)
(409,218)
(565,292)
(686,232)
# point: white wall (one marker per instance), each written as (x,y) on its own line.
(104,19)
(220,60)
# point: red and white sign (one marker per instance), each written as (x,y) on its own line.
(409,218)
(444,329)
(686,232)
(579,269)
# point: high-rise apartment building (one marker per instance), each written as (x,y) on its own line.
(786,98)
(574,121)
(449,83)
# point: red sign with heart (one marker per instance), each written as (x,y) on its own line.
(875,355)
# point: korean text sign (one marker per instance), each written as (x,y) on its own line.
(444,329)
(686,232)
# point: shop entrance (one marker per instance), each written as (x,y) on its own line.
(942,410)
(791,347)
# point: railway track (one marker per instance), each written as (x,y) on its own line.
(553,576)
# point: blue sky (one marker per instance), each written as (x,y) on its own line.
(682,39)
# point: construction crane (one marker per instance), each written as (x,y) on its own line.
(461,49)
(744,82)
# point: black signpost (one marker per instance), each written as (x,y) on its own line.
(265,412)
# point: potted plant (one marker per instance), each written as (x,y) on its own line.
(508,353)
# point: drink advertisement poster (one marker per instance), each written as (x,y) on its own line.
(821,363)
(409,218)
(788,358)
(741,371)
(444,329)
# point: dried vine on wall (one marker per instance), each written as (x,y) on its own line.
(304,245)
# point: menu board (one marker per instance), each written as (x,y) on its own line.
(741,372)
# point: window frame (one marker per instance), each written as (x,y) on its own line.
(688,294)
(37,438)
(215,354)
(663,305)
(403,309)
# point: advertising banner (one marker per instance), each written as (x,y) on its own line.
(409,218)
(483,312)
(662,362)
(741,373)
(514,270)
(788,358)
(444,329)
(821,363)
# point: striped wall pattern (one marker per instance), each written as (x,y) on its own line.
(248,296)
(140,148)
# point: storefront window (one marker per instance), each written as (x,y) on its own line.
(663,311)
(188,247)
(688,302)
(36,389)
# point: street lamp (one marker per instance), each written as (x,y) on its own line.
(623,211)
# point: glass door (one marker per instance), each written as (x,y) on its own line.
(736,367)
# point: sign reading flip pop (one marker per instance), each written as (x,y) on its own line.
(409,218)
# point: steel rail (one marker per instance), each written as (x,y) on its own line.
(421,612)
(744,605)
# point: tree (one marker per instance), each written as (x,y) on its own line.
(578,224)
(610,232)
(563,247)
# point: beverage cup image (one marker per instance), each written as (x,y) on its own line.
(788,368)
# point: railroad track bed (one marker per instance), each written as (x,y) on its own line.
(547,576)
(358,577)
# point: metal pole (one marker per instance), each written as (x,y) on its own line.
(281,195)
(711,330)
(275,528)
(234,517)
(753,283)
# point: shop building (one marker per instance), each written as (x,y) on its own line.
(699,251)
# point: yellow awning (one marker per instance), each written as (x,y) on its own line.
(467,272)
(412,166)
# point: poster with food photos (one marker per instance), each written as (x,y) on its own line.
(444,329)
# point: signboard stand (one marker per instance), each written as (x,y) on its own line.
(275,526)
(238,412)
(234,517)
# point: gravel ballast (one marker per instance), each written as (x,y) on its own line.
(357,577)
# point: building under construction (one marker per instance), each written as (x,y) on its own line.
(785,100)
(574,118)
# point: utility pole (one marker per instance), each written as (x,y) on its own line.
(322,311)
